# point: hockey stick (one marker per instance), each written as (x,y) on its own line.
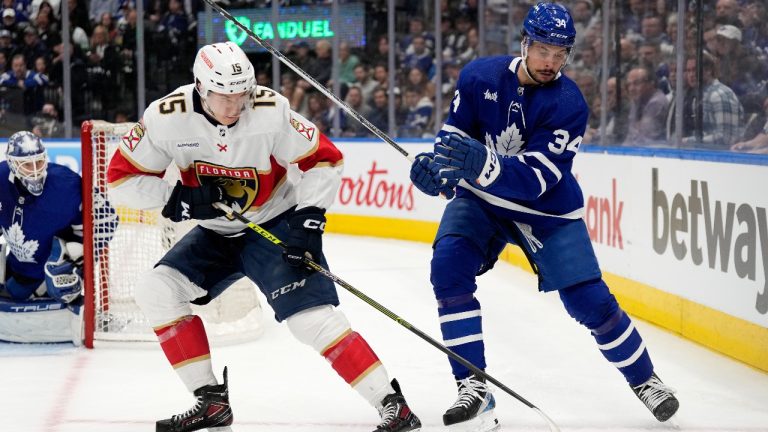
(359,294)
(286,61)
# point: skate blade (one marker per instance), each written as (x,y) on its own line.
(485,422)
(221,429)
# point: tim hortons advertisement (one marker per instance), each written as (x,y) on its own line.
(376,183)
(691,228)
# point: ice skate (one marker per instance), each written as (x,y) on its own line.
(473,410)
(211,410)
(658,397)
(396,416)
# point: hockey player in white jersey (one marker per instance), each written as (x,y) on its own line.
(513,130)
(239,143)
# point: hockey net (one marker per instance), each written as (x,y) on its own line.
(142,237)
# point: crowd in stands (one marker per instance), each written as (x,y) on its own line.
(641,103)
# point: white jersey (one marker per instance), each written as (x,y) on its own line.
(270,160)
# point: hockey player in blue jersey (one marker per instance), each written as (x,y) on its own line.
(514,127)
(41,222)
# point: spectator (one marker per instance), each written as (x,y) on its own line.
(381,75)
(652,29)
(42,6)
(379,113)
(347,63)
(418,115)
(418,78)
(3,62)
(419,57)
(722,112)
(755,18)
(416,29)
(102,63)
(46,123)
(352,127)
(727,12)
(741,68)
(758,143)
(32,47)
(10,24)
(647,109)
(48,30)
(649,55)
(6,43)
(457,41)
(382,50)
(294,93)
(32,84)
(364,81)
(319,67)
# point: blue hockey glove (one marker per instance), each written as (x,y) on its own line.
(63,276)
(189,202)
(466,158)
(425,175)
(305,237)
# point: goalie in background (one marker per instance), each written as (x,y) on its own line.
(239,143)
(41,221)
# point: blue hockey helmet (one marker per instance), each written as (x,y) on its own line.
(28,160)
(550,23)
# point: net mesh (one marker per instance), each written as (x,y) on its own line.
(142,237)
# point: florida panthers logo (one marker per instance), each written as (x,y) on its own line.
(242,184)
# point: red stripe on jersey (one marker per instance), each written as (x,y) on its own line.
(121,168)
(326,153)
(184,341)
(351,357)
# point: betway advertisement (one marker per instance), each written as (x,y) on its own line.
(691,228)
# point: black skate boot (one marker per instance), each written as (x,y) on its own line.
(658,398)
(473,410)
(211,410)
(396,416)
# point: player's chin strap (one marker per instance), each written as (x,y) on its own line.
(357,293)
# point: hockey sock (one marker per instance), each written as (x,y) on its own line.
(462,328)
(185,344)
(354,360)
(622,345)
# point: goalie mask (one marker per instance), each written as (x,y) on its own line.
(224,79)
(28,160)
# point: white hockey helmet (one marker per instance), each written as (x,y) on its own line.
(223,68)
(28,160)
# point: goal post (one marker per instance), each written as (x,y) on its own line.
(142,237)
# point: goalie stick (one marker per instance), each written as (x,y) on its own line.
(379,307)
(286,61)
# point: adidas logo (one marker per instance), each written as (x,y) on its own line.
(491,96)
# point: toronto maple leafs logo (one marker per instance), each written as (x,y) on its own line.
(508,143)
(24,250)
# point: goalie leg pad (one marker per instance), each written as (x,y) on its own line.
(328,331)
(164,294)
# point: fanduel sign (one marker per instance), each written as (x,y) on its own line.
(302,23)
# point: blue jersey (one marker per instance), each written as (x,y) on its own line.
(535,130)
(29,223)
